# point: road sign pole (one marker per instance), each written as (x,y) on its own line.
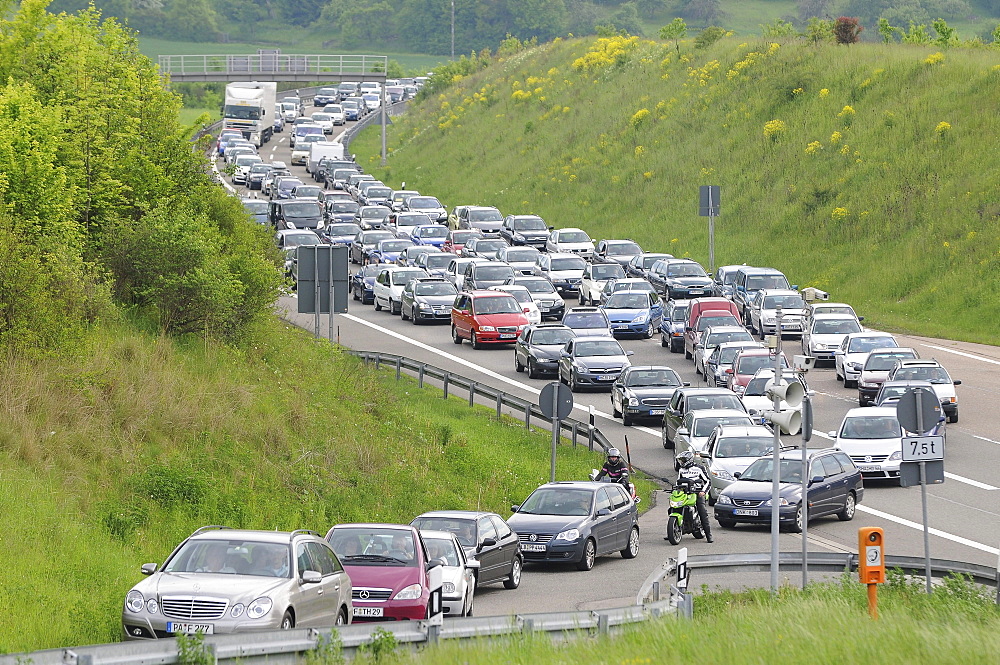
(805,501)
(711,242)
(317,292)
(776,464)
(556,426)
(329,332)
(923,493)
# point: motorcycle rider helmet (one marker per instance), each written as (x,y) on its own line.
(685,459)
(614,455)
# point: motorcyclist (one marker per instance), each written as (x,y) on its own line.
(614,468)
(700,483)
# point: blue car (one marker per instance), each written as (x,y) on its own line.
(636,313)
(387,251)
(363,284)
(672,325)
(429,234)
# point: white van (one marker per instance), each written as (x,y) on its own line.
(319,150)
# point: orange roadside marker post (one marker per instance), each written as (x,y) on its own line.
(871,564)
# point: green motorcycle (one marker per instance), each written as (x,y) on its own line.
(683,517)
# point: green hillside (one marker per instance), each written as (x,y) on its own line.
(861,170)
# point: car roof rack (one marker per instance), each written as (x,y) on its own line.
(210,527)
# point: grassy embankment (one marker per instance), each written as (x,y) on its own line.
(861,170)
(110,457)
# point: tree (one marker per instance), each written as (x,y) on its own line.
(818,30)
(813,9)
(946,36)
(887,31)
(650,8)
(192,20)
(676,30)
(627,19)
(702,12)
(847,30)
(709,36)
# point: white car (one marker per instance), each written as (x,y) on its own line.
(570,241)
(389,283)
(755,397)
(817,308)
(872,437)
(458,574)
(763,311)
(300,154)
(455,273)
(712,337)
(336,112)
(826,333)
(698,425)
(850,357)
(595,278)
(940,380)
(324,120)
(243,164)
(523,298)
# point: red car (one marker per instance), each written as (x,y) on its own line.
(486,317)
(745,365)
(457,238)
(388,567)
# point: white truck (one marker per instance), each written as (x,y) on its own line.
(248,108)
(319,150)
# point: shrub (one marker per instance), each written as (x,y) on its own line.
(847,30)
(709,36)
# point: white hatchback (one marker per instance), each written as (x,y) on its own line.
(570,241)
(850,357)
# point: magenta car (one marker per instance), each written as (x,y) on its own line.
(388,567)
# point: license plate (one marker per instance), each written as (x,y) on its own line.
(367,611)
(607,377)
(745,511)
(657,412)
(697,292)
(869,468)
(544,309)
(507,335)
(190,628)
(620,326)
(533,547)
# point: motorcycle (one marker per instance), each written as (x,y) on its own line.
(627,485)
(683,517)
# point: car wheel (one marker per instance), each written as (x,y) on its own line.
(631,550)
(342,617)
(395,308)
(518,367)
(649,331)
(454,335)
(475,341)
(355,294)
(727,524)
(953,418)
(468,609)
(796,526)
(667,443)
(532,370)
(287,621)
(403,315)
(627,420)
(850,506)
(850,384)
(586,561)
(687,354)
(673,530)
(615,413)
(572,383)
(514,580)
(583,299)
(664,342)
(378,305)
(675,348)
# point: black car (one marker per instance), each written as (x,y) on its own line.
(549,302)
(486,538)
(427,299)
(538,348)
(295,214)
(679,278)
(363,284)
(644,392)
(341,211)
(528,230)
(325,96)
(577,522)
(691,399)
(834,488)
(364,242)
(340,234)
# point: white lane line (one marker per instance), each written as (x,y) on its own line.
(962,353)
(937,532)
(983,438)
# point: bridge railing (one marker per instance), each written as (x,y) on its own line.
(273,64)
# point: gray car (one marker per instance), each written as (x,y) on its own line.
(593,362)
(427,299)
(222,580)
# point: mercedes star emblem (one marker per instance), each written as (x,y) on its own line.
(364,594)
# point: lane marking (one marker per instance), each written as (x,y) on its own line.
(962,353)
(937,532)
(983,438)
(831,545)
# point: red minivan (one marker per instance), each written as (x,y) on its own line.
(706,307)
(388,567)
(486,317)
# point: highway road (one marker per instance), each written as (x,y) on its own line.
(964,511)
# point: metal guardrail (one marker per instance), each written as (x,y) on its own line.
(525,410)
(274,67)
(287,647)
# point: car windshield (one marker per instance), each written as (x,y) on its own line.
(552,337)
(464,529)
(652,377)
(343,174)
(435,289)
(289,183)
(379,192)
(435,231)
(322,117)
(538,285)
(763,471)
(344,206)
(750,364)
(520,296)
(558,501)
(374,212)
(704,426)
(401,277)
(394,245)
(685,270)
(308,191)
(297,239)
(626,300)
(256,207)
(933,374)
(871,427)
(758,282)
(624,249)
(373,239)
(300,209)
(836,327)
(522,255)
(230,557)
(496,305)
(743,446)
(883,362)
(727,354)
(371,270)
(587,320)
(649,260)
(373,546)
(785,302)
(866,344)
(705,322)
(423,202)
(494,273)
(607,271)
(530,224)
(442,548)
(599,348)
(460,237)
(833,309)
(574,236)
(891,393)
(724,401)
(485,216)
(568,263)
(415,220)
(438,260)
(678,313)
(717,338)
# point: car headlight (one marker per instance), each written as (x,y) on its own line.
(895,456)
(724,500)
(737,388)
(134,601)
(868,384)
(426,306)
(641,318)
(487,329)
(152,606)
(519,237)
(781,502)
(722,473)
(633,401)
(237,610)
(259,607)
(411,592)
(448,587)
(569,535)
(855,366)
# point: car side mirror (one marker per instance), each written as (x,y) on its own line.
(832,435)
(488,542)
(564,354)
(149,568)
(473,564)
(433,563)
(602,512)
(514,508)
(860,319)
(737,474)
(688,329)
(957,382)
(815,479)
(686,384)
(311,577)
(683,431)
(629,353)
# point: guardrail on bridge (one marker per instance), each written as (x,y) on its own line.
(274,67)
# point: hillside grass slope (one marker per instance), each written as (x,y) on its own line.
(866,171)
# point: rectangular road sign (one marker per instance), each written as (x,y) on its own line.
(909,473)
(709,204)
(314,265)
(923,448)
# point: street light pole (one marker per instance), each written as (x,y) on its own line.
(452,29)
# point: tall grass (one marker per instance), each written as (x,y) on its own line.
(110,457)
(879,203)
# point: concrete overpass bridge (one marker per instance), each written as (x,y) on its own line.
(274,66)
